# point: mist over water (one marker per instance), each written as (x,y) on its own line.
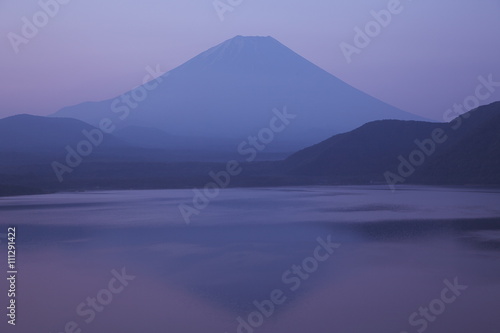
(395,250)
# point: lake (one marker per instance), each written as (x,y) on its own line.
(294,259)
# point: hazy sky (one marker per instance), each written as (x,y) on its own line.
(426,59)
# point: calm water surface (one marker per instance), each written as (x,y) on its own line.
(393,252)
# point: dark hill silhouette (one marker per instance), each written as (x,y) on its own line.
(36,134)
(470,154)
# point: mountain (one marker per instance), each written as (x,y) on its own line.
(146,137)
(473,155)
(181,148)
(26,139)
(466,152)
(363,154)
(150,137)
(230,91)
(36,134)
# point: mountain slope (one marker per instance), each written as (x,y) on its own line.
(470,153)
(230,91)
(36,134)
(146,137)
(363,153)
(473,155)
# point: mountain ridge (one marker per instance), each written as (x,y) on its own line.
(469,156)
(230,90)
(469,153)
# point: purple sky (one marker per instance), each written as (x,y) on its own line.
(426,59)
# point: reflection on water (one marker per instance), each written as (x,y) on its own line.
(396,249)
